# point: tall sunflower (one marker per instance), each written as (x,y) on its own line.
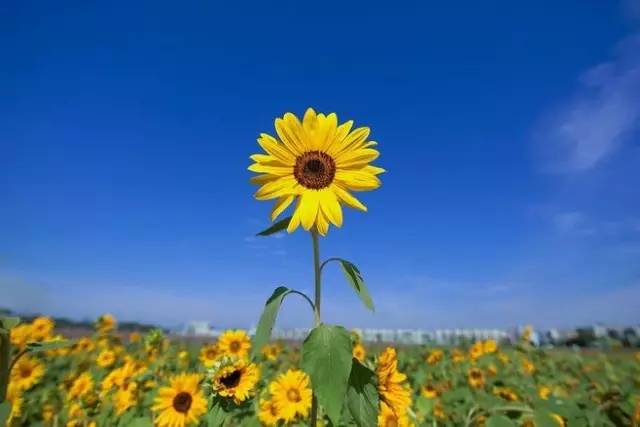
(235,343)
(181,403)
(235,379)
(26,372)
(317,162)
(291,394)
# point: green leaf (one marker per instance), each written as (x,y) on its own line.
(362,395)
(5,410)
(37,347)
(499,421)
(9,322)
(544,419)
(216,416)
(354,277)
(268,319)
(278,226)
(326,358)
(140,422)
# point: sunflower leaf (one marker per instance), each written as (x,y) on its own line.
(268,319)
(9,322)
(544,419)
(275,228)
(5,410)
(362,395)
(37,347)
(326,358)
(499,421)
(217,415)
(140,422)
(354,277)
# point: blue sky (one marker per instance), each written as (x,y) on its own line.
(509,131)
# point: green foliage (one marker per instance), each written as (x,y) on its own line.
(362,395)
(326,358)
(354,277)
(275,228)
(5,411)
(268,319)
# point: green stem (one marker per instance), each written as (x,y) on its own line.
(317,269)
(5,355)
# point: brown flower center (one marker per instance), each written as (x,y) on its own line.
(314,170)
(234,346)
(293,395)
(231,380)
(25,372)
(182,402)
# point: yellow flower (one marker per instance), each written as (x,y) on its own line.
(318,163)
(14,396)
(209,354)
(476,351)
(291,394)
(475,378)
(388,418)
(124,399)
(80,387)
(457,356)
(27,372)
(438,410)
(271,351)
(390,383)
(429,391)
(235,379)
(492,370)
(506,393)
(359,352)
(84,345)
(528,367)
(135,337)
(41,328)
(20,335)
(48,411)
(181,403)
(235,343)
(105,324)
(268,413)
(544,392)
(504,359)
(489,346)
(557,418)
(435,356)
(106,358)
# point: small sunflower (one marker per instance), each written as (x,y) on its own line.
(234,378)
(105,324)
(317,162)
(544,392)
(435,356)
(235,343)
(528,366)
(106,358)
(429,391)
(489,346)
(84,345)
(27,372)
(41,328)
(21,335)
(359,352)
(476,350)
(268,413)
(475,378)
(209,354)
(291,394)
(388,418)
(181,403)
(81,387)
(506,393)
(457,356)
(271,351)
(391,383)
(124,399)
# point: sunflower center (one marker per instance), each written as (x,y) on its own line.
(391,422)
(234,346)
(25,372)
(182,402)
(211,354)
(293,395)
(231,380)
(314,170)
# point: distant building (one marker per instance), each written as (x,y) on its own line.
(199,329)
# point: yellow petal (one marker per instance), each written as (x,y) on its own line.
(278,188)
(273,170)
(357,180)
(309,122)
(354,140)
(330,207)
(348,199)
(322,225)
(309,204)
(293,225)
(281,204)
(355,158)
(266,159)
(273,147)
(290,131)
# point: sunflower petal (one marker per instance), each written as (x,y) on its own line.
(330,207)
(348,199)
(273,170)
(278,188)
(309,204)
(274,148)
(357,180)
(322,225)
(281,204)
(356,158)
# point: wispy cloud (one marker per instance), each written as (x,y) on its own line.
(600,118)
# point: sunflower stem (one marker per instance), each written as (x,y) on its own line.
(5,356)
(317,269)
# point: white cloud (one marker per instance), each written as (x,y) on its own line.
(599,119)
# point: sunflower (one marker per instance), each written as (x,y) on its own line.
(435,356)
(209,354)
(235,378)
(135,337)
(268,413)
(489,346)
(14,396)
(235,343)
(81,386)
(388,418)
(476,350)
(475,378)
(84,345)
(429,391)
(181,403)
(20,335)
(317,162)
(528,366)
(48,412)
(124,399)
(506,393)
(391,389)
(359,352)
(544,392)
(26,372)
(457,356)
(291,394)
(106,358)
(271,351)
(41,328)
(105,324)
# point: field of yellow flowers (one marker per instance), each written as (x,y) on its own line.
(107,379)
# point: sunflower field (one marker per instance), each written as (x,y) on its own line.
(108,379)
